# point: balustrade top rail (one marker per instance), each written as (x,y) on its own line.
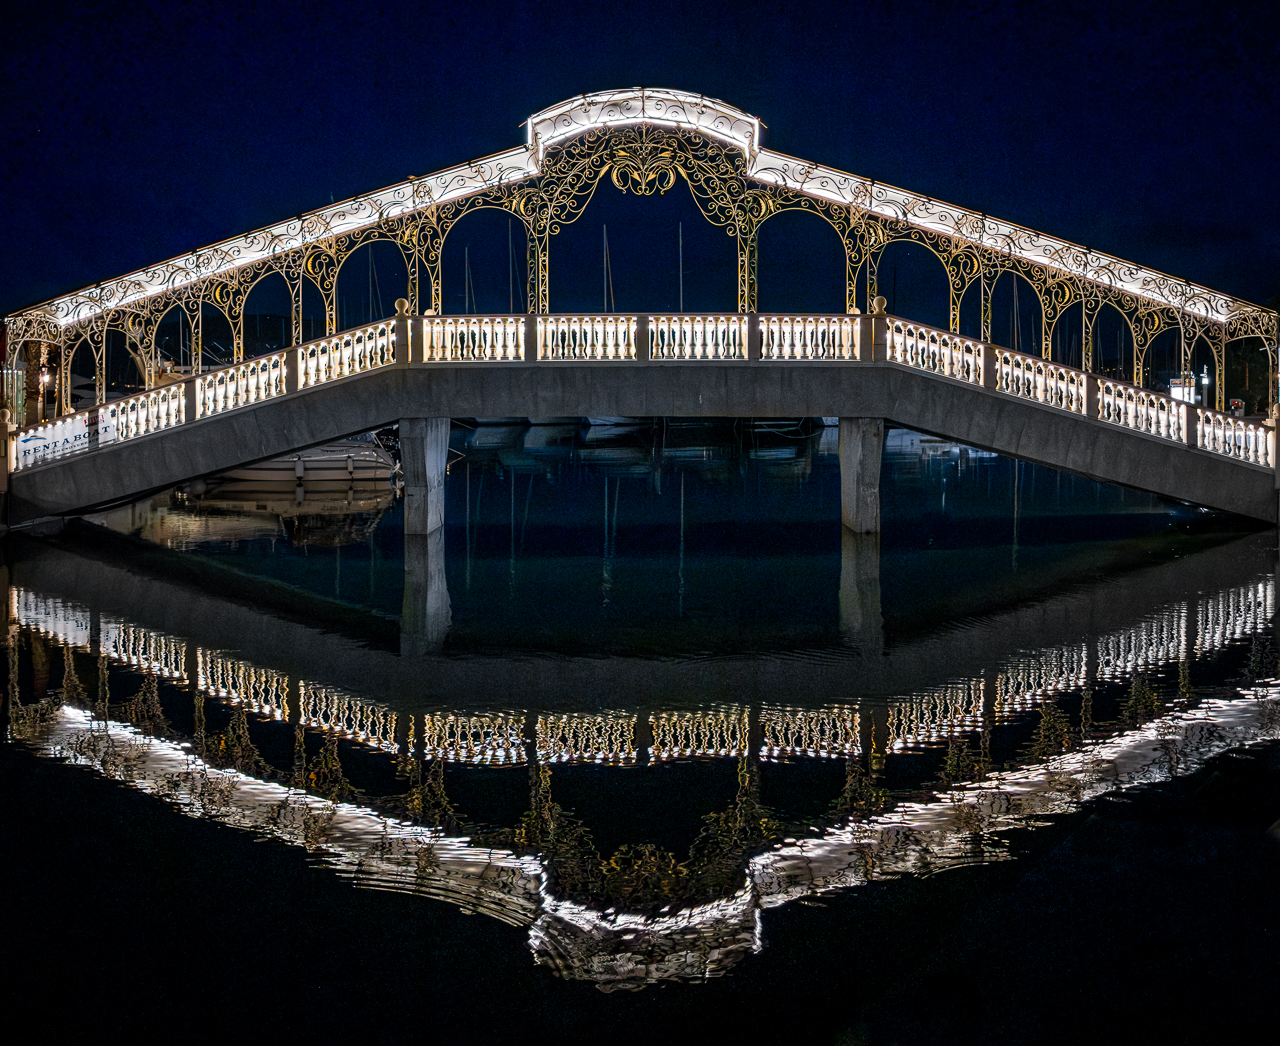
(664,338)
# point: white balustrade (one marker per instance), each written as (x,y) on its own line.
(353,352)
(807,337)
(240,385)
(56,439)
(604,338)
(1040,380)
(685,337)
(479,339)
(938,352)
(143,414)
(1234,437)
(1140,410)
(587,337)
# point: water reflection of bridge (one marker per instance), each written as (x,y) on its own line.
(621,948)
(1174,635)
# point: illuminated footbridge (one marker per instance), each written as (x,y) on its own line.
(421,368)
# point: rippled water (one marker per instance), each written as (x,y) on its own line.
(641,697)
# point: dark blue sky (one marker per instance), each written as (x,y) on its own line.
(1144,130)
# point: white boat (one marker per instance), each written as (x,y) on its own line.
(344,459)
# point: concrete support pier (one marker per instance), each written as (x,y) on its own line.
(425,613)
(424,452)
(861,447)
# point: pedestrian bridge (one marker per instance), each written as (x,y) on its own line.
(863,368)
(422,367)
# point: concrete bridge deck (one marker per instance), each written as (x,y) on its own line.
(870,367)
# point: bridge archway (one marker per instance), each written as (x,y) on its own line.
(801,266)
(174,338)
(267,315)
(494,244)
(369,281)
(217,340)
(645,234)
(312,311)
(1112,343)
(914,281)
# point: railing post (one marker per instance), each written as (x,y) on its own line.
(1190,424)
(642,339)
(755,343)
(401,327)
(1091,396)
(6,431)
(990,366)
(418,337)
(531,337)
(190,398)
(877,332)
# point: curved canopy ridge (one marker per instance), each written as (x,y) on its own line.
(682,112)
(661,108)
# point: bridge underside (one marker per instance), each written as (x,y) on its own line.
(921,401)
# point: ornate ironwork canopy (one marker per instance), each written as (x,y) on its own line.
(645,140)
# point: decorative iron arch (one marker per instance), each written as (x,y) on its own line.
(645,139)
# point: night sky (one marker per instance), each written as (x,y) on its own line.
(1145,130)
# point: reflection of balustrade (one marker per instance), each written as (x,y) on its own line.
(70,624)
(137,647)
(570,738)
(681,735)
(473,339)
(486,740)
(920,719)
(929,718)
(807,337)
(354,352)
(336,711)
(260,690)
(683,337)
(587,337)
(794,732)
(240,385)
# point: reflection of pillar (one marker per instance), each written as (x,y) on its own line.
(425,613)
(861,446)
(860,619)
(873,734)
(643,739)
(424,452)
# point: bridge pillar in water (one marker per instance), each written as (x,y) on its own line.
(861,447)
(424,452)
(425,612)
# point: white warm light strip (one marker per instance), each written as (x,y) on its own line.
(667,108)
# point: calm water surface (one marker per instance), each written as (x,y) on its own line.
(646,713)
